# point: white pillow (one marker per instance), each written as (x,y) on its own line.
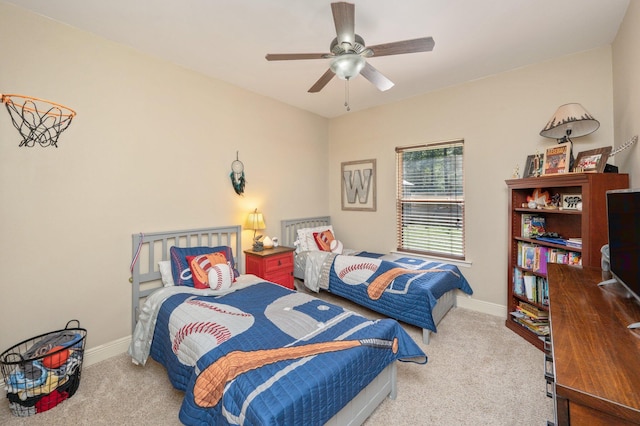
(306,242)
(165,273)
(221,276)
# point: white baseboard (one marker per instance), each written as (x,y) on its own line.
(106,351)
(468,302)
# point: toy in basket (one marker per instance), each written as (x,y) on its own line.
(41,372)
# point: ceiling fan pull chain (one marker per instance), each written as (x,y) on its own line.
(346,94)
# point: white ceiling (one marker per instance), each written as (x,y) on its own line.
(228,39)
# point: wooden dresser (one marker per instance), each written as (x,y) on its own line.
(595,357)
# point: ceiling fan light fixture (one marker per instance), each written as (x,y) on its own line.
(347,66)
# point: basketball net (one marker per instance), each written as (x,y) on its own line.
(38,120)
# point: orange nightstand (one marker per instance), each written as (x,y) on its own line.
(275,265)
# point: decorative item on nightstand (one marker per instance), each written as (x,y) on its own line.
(570,120)
(255,221)
(267,242)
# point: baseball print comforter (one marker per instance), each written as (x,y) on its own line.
(406,289)
(266,355)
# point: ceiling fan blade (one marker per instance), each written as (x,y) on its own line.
(375,77)
(294,56)
(326,77)
(424,44)
(344,19)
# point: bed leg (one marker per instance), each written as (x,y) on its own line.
(394,378)
(425,336)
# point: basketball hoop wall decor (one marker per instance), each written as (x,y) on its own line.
(39,121)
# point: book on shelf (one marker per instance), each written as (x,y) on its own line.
(532,311)
(528,255)
(532,317)
(543,290)
(529,285)
(538,225)
(564,257)
(519,253)
(518,282)
(540,258)
(574,242)
(532,225)
(575,258)
(540,328)
(559,241)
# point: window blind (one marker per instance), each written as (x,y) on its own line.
(430,199)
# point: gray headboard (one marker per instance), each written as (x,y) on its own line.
(154,247)
(289,231)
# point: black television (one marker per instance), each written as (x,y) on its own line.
(623,223)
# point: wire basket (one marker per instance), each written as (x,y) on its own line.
(41,372)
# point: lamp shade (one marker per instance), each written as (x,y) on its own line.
(570,120)
(255,221)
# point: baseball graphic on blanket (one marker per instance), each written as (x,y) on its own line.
(197,326)
(355,270)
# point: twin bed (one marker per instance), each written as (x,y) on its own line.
(256,352)
(408,289)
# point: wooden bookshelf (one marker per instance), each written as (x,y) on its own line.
(588,223)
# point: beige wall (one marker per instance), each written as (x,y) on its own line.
(499,118)
(626,91)
(152,145)
(150,150)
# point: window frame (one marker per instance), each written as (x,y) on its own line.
(454,197)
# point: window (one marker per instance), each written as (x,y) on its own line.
(430,199)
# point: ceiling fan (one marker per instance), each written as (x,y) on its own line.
(348,52)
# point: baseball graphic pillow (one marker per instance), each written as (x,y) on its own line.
(221,276)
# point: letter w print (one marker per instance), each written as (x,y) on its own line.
(359,185)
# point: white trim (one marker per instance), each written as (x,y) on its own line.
(106,351)
(468,302)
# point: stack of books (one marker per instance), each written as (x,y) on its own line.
(532,317)
(574,242)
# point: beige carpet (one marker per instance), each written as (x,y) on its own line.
(479,373)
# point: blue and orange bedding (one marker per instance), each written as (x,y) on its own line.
(406,288)
(267,355)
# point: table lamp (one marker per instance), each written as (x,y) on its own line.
(570,120)
(255,221)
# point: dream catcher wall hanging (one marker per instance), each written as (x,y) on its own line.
(237,176)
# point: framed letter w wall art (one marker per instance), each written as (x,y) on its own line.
(359,185)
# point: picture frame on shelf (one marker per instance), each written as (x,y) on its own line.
(592,161)
(533,166)
(571,202)
(556,159)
